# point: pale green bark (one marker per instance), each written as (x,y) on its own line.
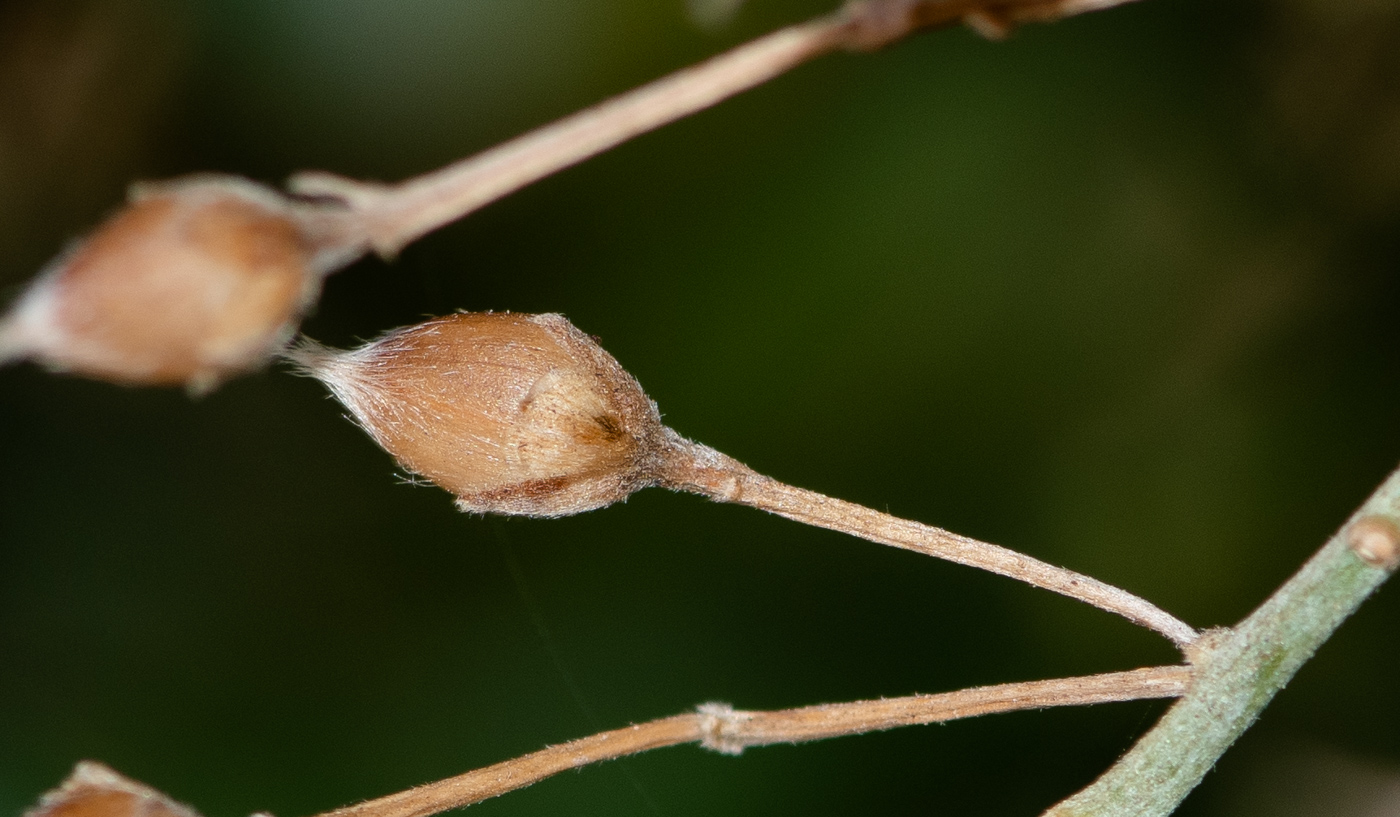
(1239,672)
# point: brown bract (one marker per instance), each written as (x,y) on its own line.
(515,414)
(191,282)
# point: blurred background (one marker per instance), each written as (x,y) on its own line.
(1120,292)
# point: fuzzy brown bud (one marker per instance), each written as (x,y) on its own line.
(515,414)
(192,281)
(93,790)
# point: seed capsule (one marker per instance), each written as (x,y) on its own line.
(93,790)
(193,281)
(515,414)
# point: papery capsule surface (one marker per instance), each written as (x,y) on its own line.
(513,413)
(191,282)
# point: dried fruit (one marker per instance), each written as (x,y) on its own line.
(93,790)
(192,281)
(515,414)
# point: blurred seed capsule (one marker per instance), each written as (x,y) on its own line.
(193,281)
(93,790)
(515,414)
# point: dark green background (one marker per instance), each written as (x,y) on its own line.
(1120,292)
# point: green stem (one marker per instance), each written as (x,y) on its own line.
(1241,669)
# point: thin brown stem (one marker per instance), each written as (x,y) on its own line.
(385,218)
(393,216)
(730,731)
(702,470)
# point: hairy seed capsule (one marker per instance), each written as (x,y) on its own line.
(515,414)
(93,790)
(192,281)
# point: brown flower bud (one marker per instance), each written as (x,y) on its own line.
(192,281)
(515,414)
